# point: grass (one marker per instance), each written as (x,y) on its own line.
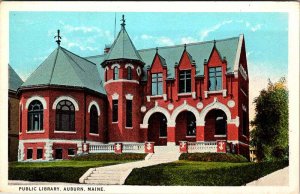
(195,173)
(64,170)
(213,157)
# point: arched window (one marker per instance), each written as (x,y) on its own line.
(65,116)
(116,73)
(35,116)
(129,73)
(191,124)
(93,120)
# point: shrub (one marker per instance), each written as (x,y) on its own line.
(110,156)
(213,157)
(203,173)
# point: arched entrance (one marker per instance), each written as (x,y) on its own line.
(215,125)
(157,128)
(185,127)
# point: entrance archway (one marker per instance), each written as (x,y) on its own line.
(185,127)
(215,125)
(157,128)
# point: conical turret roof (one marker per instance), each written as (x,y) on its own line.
(123,48)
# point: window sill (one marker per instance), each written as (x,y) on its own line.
(128,127)
(114,122)
(223,92)
(219,135)
(190,136)
(65,132)
(42,131)
(94,134)
(185,94)
(163,137)
(156,96)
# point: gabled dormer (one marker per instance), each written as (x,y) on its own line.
(215,68)
(157,74)
(185,72)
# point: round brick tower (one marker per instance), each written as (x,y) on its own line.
(123,71)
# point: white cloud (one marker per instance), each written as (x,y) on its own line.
(39,59)
(256,27)
(187,40)
(160,40)
(206,32)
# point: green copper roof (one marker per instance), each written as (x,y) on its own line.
(14,80)
(197,51)
(123,48)
(64,68)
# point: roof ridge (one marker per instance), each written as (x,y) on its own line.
(78,56)
(73,68)
(36,69)
(53,65)
(189,44)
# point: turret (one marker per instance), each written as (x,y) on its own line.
(123,70)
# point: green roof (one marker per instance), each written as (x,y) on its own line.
(123,48)
(198,52)
(14,80)
(64,68)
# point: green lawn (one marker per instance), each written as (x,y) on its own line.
(66,170)
(195,173)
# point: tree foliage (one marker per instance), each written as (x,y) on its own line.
(270,132)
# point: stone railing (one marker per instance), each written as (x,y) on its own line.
(134,148)
(201,147)
(103,148)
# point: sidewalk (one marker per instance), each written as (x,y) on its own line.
(277,178)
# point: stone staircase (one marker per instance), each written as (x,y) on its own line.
(117,174)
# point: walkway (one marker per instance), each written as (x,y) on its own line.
(117,174)
(277,178)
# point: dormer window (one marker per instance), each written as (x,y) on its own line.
(215,78)
(185,81)
(157,84)
(116,73)
(129,73)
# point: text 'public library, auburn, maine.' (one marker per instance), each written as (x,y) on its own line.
(194,97)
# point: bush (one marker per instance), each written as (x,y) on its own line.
(203,173)
(53,174)
(110,156)
(213,157)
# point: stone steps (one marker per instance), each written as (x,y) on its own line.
(117,174)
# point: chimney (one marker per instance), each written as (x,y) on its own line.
(107,48)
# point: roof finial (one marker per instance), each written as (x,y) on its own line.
(156,50)
(184,46)
(215,42)
(58,38)
(123,21)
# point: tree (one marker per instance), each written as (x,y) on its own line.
(270,132)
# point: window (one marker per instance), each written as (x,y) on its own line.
(39,153)
(245,123)
(157,88)
(65,116)
(185,81)
(93,120)
(35,116)
(163,127)
(221,125)
(115,111)
(215,78)
(71,152)
(116,73)
(58,153)
(128,113)
(191,124)
(20,121)
(29,153)
(129,73)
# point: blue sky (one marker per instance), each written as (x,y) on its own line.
(85,33)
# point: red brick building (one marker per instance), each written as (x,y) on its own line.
(196,92)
